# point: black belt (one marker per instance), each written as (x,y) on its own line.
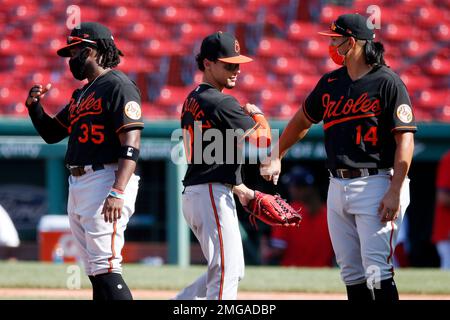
(80,170)
(353,173)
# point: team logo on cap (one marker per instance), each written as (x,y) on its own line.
(133,110)
(237,48)
(404,113)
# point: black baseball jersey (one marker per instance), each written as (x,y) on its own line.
(214,112)
(96,115)
(360,117)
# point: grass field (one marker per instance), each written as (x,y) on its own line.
(257,279)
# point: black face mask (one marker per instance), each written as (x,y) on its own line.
(78,65)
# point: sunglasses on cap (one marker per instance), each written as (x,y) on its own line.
(231,66)
(72,39)
(340,30)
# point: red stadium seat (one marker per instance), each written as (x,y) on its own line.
(179,15)
(253,82)
(300,31)
(439,66)
(415,82)
(441,32)
(127,47)
(274,47)
(136,64)
(445,114)
(160,4)
(145,31)
(399,32)
(154,112)
(12,94)
(166,47)
(284,111)
(171,96)
(25,12)
(303,83)
(14,47)
(192,32)
(329,13)
(418,48)
(434,98)
(125,16)
(429,16)
(271,98)
(226,14)
(289,66)
(317,48)
(423,114)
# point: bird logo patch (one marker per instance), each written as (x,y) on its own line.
(237,47)
(133,110)
(404,113)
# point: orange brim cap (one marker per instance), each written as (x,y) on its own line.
(236,59)
(65,51)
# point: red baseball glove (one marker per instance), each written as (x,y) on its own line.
(272,210)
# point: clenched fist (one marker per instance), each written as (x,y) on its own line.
(36,93)
(270,170)
(252,109)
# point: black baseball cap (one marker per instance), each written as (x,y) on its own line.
(224,47)
(350,25)
(86,32)
(299,176)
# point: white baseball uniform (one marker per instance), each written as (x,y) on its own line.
(210,211)
(100,243)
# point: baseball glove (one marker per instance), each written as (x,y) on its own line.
(272,210)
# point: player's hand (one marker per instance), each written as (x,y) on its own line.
(243,193)
(37,92)
(389,208)
(251,109)
(271,170)
(112,209)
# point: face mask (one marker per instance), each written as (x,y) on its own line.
(335,55)
(78,65)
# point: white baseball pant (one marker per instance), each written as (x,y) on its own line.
(99,243)
(363,245)
(210,211)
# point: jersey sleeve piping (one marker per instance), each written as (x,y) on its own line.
(62,124)
(404,128)
(138,125)
(307,115)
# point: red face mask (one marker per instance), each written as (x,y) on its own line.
(335,55)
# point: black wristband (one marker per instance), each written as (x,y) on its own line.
(129,152)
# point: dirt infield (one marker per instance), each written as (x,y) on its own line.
(83,294)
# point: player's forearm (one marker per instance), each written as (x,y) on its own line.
(402,160)
(127,166)
(261,135)
(296,130)
(124,173)
(47,127)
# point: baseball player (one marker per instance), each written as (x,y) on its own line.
(207,200)
(103,122)
(369,130)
